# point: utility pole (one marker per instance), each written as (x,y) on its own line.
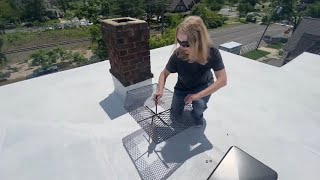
(162,12)
(276,11)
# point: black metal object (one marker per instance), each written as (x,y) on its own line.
(158,125)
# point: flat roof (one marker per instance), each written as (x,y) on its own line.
(70,125)
(231,44)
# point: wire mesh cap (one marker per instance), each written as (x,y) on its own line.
(159,125)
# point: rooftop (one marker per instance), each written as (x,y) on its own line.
(306,38)
(70,125)
(231,44)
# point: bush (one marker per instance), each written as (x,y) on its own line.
(224,18)
(219,22)
(283,40)
(265,20)
(280,52)
(212,25)
(251,18)
(215,7)
(4,75)
(64,65)
(244,8)
(242,20)
(174,20)
(166,39)
(56,56)
(79,59)
(99,47)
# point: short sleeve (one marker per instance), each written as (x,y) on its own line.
(217,62)
(172,64)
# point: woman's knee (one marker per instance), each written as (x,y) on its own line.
(199,105)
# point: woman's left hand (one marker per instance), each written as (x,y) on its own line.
(191,97)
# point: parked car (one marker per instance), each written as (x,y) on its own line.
(58,26)
(10,26)
(273,40)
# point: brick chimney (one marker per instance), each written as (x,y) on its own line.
(127,40)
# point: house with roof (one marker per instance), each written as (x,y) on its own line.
(306,38)
(75,124)
(177,6)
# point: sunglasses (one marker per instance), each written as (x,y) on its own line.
(184,44)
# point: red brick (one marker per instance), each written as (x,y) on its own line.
(123,53)
(129,57)
(125,46)
(146,60)
(144,53)
(143,26)
(120,41)
(133,50)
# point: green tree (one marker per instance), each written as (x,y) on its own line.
(251,2)
(214,5)
(290,11)
(63,5)
(174,20)
(79,59)
(265,20)
(209,17)
(100,48)
(244,8)
(92,9)
(251,18)
(34,10)
(314,10)
(9,12)
(199,10)
(233,1)
(130,8)
(2,26)
(3,58)
(154,8)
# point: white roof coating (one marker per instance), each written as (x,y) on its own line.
(70,125)
(231,45)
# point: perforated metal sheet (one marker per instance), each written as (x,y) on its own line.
(158,125)
(160,161)
(147,160)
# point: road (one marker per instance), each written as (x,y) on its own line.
(245,34)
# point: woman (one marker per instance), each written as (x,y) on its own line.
(193,61)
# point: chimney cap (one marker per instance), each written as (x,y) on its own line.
(123,21)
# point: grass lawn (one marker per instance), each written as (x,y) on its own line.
(255,54)
(229,25)
(275,46)
(27,39)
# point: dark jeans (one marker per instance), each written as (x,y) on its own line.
(198,106)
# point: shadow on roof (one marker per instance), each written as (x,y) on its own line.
(159,161)
(113,106)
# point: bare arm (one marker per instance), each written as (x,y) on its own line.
(219,83)
(161,82)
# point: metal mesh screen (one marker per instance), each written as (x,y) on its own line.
(148,163)
(158,125)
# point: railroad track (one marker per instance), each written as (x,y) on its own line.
(46,46)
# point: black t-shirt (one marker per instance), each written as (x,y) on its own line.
(193,75)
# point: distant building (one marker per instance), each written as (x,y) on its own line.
(177,6)
(306,38)
(232,47)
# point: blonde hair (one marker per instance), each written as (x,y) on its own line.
(198,38)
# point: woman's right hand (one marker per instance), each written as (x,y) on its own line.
(157,96)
